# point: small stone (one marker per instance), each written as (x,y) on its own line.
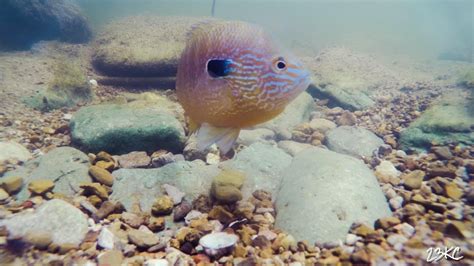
(351,239)
(386,171)
(132,219)
(363,230)
(458,229)
(346,119)
(226,194)
(245,209)
(360,256)
(156,224)
(221,214)
(106,239)
(41,186)
(270,235)
(136,159)
(262,195)
(161,158)
(396,240)
(406,229)
(229,177)
(396,203)
(376,250)
(441,171)
(162,206)
(240,251)
(331,260)
(110,257)
(142,239)
(175,194)
(41,240)
(443,152)
(213,159)
(109,166)
(101,175)
(11,184)
(261,241)
(386,222)
(413,179)
(156,262)
(95,189)
(181,210)
(322,125)
(3,195)
(453,191)
(105,209)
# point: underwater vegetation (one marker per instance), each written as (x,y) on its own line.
(466,78)
(68,87)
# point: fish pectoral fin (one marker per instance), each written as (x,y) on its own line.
(223,137)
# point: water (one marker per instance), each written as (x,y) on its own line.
(372,163)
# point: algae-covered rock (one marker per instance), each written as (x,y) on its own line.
(122,128)
(142,46)
(451,120)
(69,87)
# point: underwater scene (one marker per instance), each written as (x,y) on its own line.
(236,132)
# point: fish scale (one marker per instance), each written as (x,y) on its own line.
(251,90)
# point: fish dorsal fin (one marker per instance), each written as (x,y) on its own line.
(223,137)
(199,26)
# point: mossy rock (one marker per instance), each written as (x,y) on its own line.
(449,121)
(122,128)
(69,87)
(142,46)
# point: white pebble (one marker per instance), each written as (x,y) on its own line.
(93,83)
(106,239)
(212,158)
(396,240)
(156,262)
(351,239)
(406,229)
(396,203)
(192,215)
(174,192)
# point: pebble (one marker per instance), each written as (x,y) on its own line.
(162,206)
(11,184)
(442,152)
(110,257)
(453,191)
(413,179)
(161,158)
(351,239)
(142,239)
(386,222)
(322,125)
(135,159)
(106,239)
(41,186)
(132,219)
(156,262)
(406,229)
(101,175)
(175,194)
(213,159)
(41,240)
(95,189)
(396,203)
(346,119)
(386,172)
(156,224)
(221,214)
(182,210)
(3,195)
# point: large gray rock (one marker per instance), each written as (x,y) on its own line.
(262,165)
(122,128)
(142,186)
(297,112)
(324,192)
(13,150)
(451,120)
(249,136)
(352,140)
(66,166)
(65,223)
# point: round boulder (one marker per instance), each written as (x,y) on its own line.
(354,141)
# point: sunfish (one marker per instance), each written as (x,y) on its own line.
(231,75)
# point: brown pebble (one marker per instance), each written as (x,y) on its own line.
(386,222)
(413,179)
(156,224)
(162,206)
(94,189)
(110,257)
(221,214)
(101,175)
(262,195)
(105,209)
(41,240)
(132,219)
(181,210)
(11,184)
(40,186)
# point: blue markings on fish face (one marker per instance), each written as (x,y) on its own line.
(219,67)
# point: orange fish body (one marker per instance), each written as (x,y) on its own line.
(232,76)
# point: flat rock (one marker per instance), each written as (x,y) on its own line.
(13,150)
(122,128)
(324,192)
(143,186)
(249,136)
(142,46)
(65,166)
(354,141)
(451,120)
(262,165)
(65,223)
(293,147)
(297,112)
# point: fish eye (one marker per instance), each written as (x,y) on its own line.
(280,64)
(218,68)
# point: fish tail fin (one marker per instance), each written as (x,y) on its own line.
(223,137)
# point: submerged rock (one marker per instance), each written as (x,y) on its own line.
(324,192)
(351,140)
(22,23)
(142,46)
(62,221)
(262,165)
(143,186)
(449,121)
(12,150)
(297,112)
(125,128)
(65,166)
